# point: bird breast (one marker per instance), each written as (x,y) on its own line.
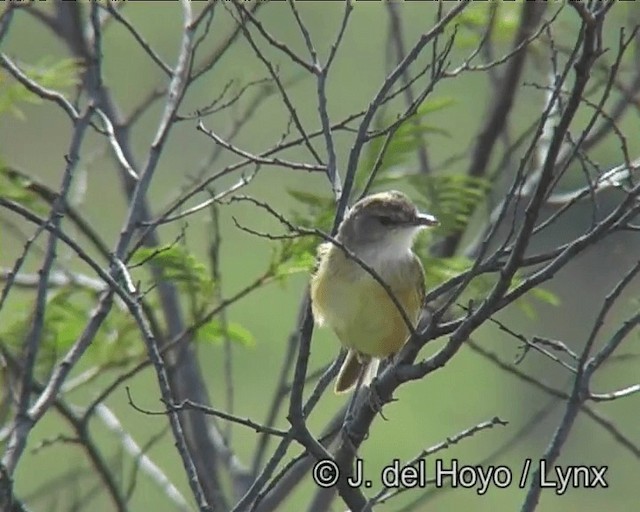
(358,309)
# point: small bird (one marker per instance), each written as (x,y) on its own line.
(380,230)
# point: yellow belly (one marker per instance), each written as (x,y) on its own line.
(360,311)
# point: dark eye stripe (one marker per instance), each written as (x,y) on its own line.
(386,220)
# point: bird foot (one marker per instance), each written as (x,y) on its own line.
(375,401)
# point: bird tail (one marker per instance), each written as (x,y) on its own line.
(350,372)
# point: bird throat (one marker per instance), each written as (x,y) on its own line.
(385,258)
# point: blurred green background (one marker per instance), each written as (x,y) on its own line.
(467,391)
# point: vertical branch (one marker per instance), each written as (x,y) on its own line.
(186,379)
(214,253)
(23,422)
(176,92)
(501,107)
(322,73)
(282,386)
(396,36)
(295,405)
(187,375)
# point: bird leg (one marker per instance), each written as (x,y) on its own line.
(348,417)
(375,402)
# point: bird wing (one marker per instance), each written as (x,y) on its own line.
(418,277)
(411,296)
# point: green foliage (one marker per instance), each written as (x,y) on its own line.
(178,266)
(540,294)
(474,20)
(440,270)
(405,140)
(59,74)
(452,198)
(66,314)
(183,269)
(64,318)
(292,257)
(68,309)
(17,188)
(63,321)
(215,331)
(120,340)
(298,254)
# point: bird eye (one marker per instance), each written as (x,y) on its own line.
(385,220)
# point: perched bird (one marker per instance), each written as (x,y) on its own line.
(380,230)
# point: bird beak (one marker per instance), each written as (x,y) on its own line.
(426,220)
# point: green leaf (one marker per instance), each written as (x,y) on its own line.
(474,20)
(546,296)
(64,319)
(452,198)
(301,259)
(118,340)
(177,265)
(59,74)
(213,332)
(299,254)
(66,313)
(539,293)
(434,105)
(16,188)
(440,270)
(405,140)
(293,257)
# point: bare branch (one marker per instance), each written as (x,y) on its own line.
(24,420)
(257,159)
(38,90)
(190,405)
(142,460)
